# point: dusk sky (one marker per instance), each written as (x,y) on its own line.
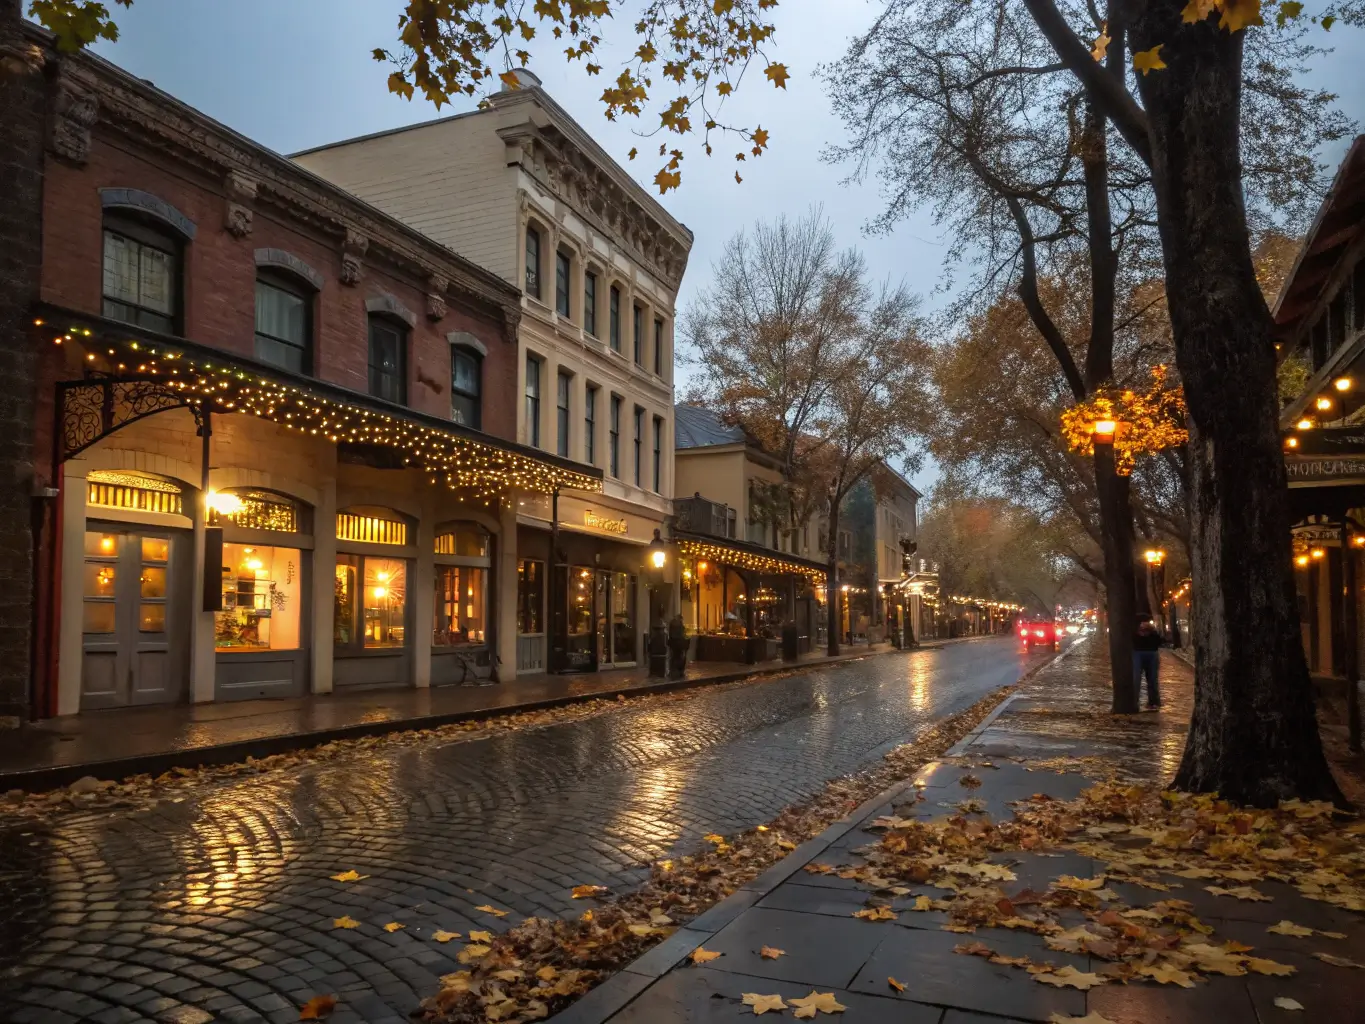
(293,74)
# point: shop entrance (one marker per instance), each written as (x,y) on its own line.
(131,593)
(614,614)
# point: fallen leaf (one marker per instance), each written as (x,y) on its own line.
(969,781)
(762,1004)
(1285,1003)
(345,922)
(1242,892)
(583,892)
(822,1002)
(474,951)
(713,837)
(1072,882)
(1290,928)
(895,985)
(318,1008)
(1090,1018)
(876,914)
(1337,961)
(703,956)
(974,949)
(547,973)
(492,910)
(769,953)
(1167,975)
(393,926)
(444,936)
(1069,977)
(786,844)
(1333,935)
(1010,961)
(348,876)
(480,936)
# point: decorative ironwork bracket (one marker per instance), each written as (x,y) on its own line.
(88,410)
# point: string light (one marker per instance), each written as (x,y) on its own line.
(481,471)
(705,552)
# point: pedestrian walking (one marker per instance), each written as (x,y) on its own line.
(1147,642)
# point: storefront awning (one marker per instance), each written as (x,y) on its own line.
(743,555)
(132,373)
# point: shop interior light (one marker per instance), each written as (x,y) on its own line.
(224,504)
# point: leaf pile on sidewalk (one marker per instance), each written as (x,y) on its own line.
(540,966)
(1151,841)
(89,793)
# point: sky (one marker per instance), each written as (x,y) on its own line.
(292,74)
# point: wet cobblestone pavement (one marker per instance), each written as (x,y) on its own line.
(218,906)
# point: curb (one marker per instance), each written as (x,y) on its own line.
(35,780)
(621,988)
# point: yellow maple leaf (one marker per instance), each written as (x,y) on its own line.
(1290,928)
(1090,1018)
(822,1002)
(318,1008)
(897,986)
(632,153)
(1069,977)
(1072,882)
(769,953)
(393,926)
(876,914)
(1289,10)
(1167,975)
(582,892)
(1238,14)
(345,922)
(1102,41)
(444,936)
(666,180)
(1197,10)
(777,74)
(1149,60)
(481,936)
(492,910)
(1285,1003)
(348,876)
(1260,966)
(701,956)
(713,837)
(473,952)
(762,1004)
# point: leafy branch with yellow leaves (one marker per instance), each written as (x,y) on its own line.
(691,55)
(1146,421)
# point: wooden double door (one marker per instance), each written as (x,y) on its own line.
(135,590)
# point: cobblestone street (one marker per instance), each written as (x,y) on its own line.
(218,906)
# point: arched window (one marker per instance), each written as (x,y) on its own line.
(284,321)
(142,271)
(254,510)
(138,492)
(466,380)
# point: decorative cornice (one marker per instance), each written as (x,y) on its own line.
(238,217)
(288,261)
(169,130)
(573,176)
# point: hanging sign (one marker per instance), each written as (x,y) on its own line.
(1331,468)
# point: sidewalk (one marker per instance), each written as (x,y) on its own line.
(131,741)
(1054,737)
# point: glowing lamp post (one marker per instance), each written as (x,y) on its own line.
(656,560)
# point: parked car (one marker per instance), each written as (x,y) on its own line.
(1039,633)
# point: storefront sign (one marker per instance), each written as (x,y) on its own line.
(595,522)
(1325,469)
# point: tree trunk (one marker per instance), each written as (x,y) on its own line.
(1116,526)
(832,592)
(1254,735)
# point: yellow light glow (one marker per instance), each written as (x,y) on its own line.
(1154,555)
(224,504)
(106,544)
(380,592)
(1301,561)
(1304,424)
(1324,403)
(1105,428)
(1342,383)
(1317,552)
(1291,442)
(255,565)
(658,558)
(383,577)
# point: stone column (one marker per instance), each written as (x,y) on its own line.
(421,587)
(324,583)
(70,633)
(505,612)
(203,656)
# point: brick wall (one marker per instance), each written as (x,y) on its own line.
(23,91)
(220,272)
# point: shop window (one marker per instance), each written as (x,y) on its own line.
(461,606)
(370,527)
(262,591)
(466,539)
(388,360)
(141,275)
(590,303)
(284,329)
(532,262)
(100,582)
(562,283)
(370,602)
(466,374)
(530,596)
(254,510)
(139,492)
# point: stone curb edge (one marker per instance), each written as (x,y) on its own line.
(36,780)
(631,980)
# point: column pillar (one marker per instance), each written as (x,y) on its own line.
(505,570)
(70,634)
(324,582)
(424,596)
(203,657)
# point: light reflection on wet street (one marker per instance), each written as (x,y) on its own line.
(218,905)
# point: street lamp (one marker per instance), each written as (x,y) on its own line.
(656,559)
(1155,556)
(658,552)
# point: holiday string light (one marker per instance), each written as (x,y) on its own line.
(1146,422)
(746,559)
(481,471)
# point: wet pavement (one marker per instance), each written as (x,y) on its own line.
(218,906)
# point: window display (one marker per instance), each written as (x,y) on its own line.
(460,607)
(530,596)
(261,597)
(385,602)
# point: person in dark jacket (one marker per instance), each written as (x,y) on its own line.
(1146,660)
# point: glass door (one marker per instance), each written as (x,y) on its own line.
(602,615)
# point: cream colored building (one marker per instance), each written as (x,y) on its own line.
(521,188)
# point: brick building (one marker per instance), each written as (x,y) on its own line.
(269,434)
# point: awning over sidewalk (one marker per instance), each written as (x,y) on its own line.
(744,555)
(133,373)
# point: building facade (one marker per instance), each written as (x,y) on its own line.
(742,577)
(274,449)
(519,187)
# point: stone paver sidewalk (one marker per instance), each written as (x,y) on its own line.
(1060,713)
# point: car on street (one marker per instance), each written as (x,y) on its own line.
(1039,633)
